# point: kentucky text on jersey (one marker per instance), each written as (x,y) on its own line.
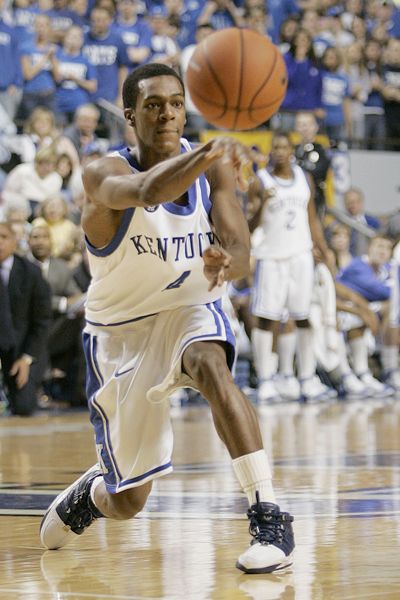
(181,247)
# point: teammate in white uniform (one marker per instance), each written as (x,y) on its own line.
(152,219)
(287,229)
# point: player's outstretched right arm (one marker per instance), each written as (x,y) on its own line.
(111,183)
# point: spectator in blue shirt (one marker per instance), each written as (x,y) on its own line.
(10,73)
(104,49)
(39,69)
(221,14)
(336,99)
(77,76)
(374,117)
(279,11)
(134,32)
(304,81)
(61,17)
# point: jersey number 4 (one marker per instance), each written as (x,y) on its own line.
(178,282)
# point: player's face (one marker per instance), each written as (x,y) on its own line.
(159,116)
(281,151)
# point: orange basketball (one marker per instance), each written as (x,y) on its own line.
(237,78)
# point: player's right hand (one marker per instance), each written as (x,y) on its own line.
(238,154)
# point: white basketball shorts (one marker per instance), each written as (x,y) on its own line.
(131,371)
(281,284)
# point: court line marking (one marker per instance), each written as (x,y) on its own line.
(26,512)
(84,594)
(389,494)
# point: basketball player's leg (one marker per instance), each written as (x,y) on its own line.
(123,505)
(237,425)
(271,289)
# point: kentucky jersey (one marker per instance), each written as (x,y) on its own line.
(284,224)
(154,262)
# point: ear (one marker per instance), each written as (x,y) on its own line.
(130,116)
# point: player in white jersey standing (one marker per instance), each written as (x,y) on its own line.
(152,219)
(284,211)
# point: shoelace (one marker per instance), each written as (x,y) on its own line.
(83,517)
(267,527)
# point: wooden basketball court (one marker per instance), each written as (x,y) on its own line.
(336,469)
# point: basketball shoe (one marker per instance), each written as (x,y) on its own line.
(374,386)
(353,387)
(267,391)
(273,542)
(288,387)
(71,512)
(313,390)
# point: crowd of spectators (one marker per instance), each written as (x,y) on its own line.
(64,62)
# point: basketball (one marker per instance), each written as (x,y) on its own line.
(237,78)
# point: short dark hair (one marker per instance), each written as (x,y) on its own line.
(130,89)
(282,134)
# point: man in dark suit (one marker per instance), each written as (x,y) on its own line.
(25,314)
(64,343)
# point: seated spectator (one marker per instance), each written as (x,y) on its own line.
(339,242)
(16,213)
(312,157)
(66,327)
(354,206)
(34,182)
(40,131)
(64,233)
(25,314)
(82,132)
(336,100)
(39,69)
(77,77)
(304,81)
(65,169)
(374,278)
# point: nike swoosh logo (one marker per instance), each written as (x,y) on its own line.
(119,373)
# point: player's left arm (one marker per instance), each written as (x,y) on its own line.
(231,228)
(317,233)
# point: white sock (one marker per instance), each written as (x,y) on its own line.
(344,365)
(287,351)
(254,475)
(305,356)
(264,360)
(359,354)
(390,358)
(93,487)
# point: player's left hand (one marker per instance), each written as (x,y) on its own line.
(216,263)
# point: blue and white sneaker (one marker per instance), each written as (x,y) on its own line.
(313,390)
(375,388)
(71,512)
(273,543)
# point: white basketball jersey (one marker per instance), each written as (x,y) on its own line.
(284,219)
(154,262)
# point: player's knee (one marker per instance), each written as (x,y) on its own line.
(129,503)
(208,367)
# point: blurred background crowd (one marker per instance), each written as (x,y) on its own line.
(63,64)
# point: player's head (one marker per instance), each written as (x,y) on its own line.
(281,149)
(154,101)
(131,88)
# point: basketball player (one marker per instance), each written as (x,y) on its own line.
(164,232)
(285,213)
